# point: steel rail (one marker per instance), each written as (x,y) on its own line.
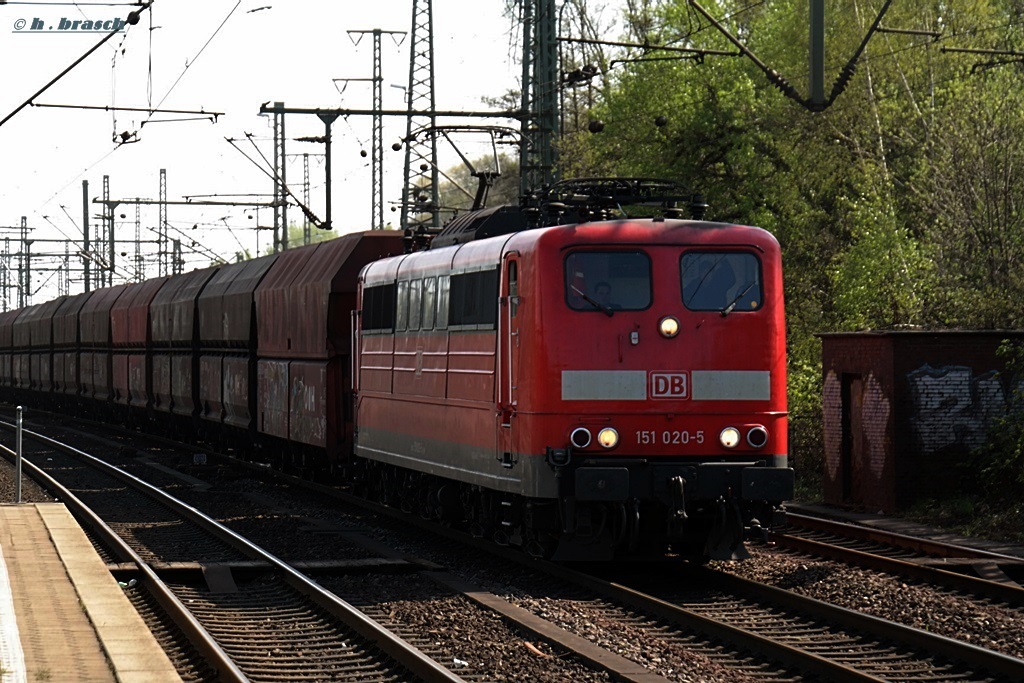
(925,546)
(986,660)
(1007,592)
(196,634)
(591,653)
(413,659)
(795,657)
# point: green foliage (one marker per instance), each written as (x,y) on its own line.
(706,143)
(805,433)
(998,519)
(1001,459)
(457,192)
(901,204)
(881,277)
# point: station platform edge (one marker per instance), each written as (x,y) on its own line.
(63,616)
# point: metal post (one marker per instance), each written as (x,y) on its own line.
(110,233)
(139,275)
(17,459)
(27,248)
(178,263)
(280,191)
(85,235)
(538,153)
(817,57)
(377,151)
(64,275)
(377,148)
(328,119)
(6,274)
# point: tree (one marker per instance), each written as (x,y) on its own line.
(899,205)
(457,193)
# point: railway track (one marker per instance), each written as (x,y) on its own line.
(280,626)
(858,646)
(231,572)
(971,570)
(789,636)
(728,629)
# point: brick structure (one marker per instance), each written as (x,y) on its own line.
(903,410)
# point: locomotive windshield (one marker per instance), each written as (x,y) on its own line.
(608,281)
(721,281)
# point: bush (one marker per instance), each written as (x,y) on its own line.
(1001,459)
(806,447)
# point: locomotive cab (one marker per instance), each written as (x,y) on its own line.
(651,374)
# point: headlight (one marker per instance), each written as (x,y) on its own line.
(669,327)
(729,437)
(608,437)
(757,437)
(580,437)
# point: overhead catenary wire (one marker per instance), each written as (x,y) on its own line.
(73,222)
(203,250)
(775,78)
(83,172)
(313,218)
(30,100)
(113,76)
(149,65)
(58,228)
(132,20)
(190,63)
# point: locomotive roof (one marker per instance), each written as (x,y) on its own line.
(568,202)
(481,224)
(474,255)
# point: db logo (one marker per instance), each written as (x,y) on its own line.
(669,385)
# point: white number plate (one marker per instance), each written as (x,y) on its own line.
(669,437)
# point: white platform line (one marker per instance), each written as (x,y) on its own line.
(12,657)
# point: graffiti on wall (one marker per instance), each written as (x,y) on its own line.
(875,413)
(832,412)
(953,407)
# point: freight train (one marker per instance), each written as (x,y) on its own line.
(552,376)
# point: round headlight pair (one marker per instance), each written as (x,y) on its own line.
(757,437)
(581,438)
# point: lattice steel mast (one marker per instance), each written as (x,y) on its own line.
(161,234)
(377,151)
(537,155)
(420,202)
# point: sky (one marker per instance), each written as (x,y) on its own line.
(226,56)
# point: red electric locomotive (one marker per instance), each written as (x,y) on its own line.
(588,390)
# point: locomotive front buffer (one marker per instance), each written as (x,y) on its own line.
(718,503)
